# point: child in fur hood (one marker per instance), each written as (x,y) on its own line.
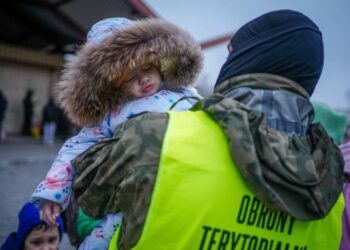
(125,68)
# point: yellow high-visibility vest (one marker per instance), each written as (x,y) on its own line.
(200,201)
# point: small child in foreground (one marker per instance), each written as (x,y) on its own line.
(33,233)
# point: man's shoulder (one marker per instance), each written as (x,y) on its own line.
(142,125)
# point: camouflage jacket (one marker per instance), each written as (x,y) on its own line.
(299,175)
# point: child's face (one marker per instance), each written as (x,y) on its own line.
(141,82)
(42,238)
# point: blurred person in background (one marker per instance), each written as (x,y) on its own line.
(335,123)
(28,106)
(64,127)
(49,120)
(3,107)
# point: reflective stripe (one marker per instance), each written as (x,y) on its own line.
(114,240)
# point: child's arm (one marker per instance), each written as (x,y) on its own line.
(57,186)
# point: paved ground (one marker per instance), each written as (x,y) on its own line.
(24,162)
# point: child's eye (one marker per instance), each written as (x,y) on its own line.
(130,79)
(132,76)
(37,242)
(147,67)
(52,240)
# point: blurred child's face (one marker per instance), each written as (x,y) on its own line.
(141,82)
(42,238)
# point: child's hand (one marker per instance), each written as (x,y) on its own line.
(49,212)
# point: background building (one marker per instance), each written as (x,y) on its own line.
(36,36)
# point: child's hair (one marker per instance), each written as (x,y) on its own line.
(121,78)
(43,227)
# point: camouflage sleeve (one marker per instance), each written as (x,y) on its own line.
(118,174)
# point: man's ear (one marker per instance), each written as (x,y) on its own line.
(229,47)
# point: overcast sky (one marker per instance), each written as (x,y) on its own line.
(206,19)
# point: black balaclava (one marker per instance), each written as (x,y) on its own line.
(283,42)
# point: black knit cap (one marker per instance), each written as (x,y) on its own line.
(283,42)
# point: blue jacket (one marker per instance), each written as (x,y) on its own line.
(10,243)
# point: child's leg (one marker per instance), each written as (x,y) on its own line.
(102,234)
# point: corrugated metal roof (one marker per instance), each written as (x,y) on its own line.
(57,26)
(60,26)
(88,12)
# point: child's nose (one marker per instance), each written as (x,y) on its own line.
(142,78)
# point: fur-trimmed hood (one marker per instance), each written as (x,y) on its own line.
(87,88)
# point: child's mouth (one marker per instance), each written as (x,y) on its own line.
(148,88)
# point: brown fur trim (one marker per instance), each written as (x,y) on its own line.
(87,88)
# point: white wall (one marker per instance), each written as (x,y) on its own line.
(15,79)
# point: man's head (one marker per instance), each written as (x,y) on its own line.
(30,224)
(283,42)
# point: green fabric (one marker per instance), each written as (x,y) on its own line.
(85,224)
(113,244)
(334,122)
